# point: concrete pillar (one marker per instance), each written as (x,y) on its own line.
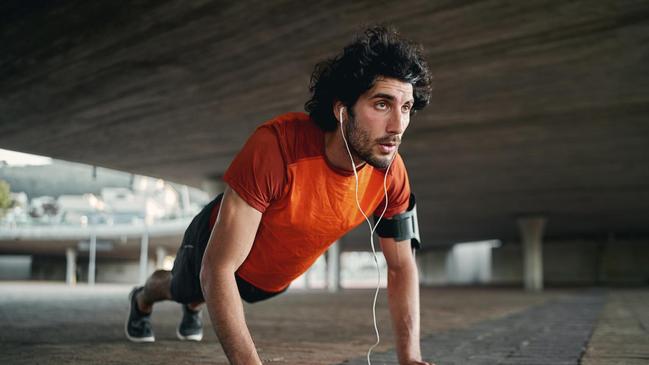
(333,267)
(92,258)
(71,267)
(531,229)
(307,279)
(144,255)
(185,199)
(160,255)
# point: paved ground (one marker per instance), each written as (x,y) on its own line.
(555,332)
(622,333)
(53,324)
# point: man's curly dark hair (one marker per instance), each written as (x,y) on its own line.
(379,51)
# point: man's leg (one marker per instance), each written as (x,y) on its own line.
(156,289)
(138,323)
(191,325)
(180,285)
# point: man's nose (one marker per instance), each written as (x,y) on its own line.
(396,124)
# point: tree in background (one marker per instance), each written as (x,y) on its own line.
(5,197)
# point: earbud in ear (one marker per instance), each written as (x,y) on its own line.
(342,109)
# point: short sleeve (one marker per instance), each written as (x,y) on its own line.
(398,190)
(258,172)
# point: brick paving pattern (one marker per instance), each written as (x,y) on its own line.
(49,323)
(552,333)
(622,333)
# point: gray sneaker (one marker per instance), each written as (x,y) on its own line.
(191,326)
(138,324)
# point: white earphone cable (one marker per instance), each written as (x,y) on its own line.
(372,229)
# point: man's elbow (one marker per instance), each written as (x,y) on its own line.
(205,277)
(402,268)
(211,275)
(208,277)
(402,263)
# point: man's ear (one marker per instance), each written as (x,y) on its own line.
(337,107)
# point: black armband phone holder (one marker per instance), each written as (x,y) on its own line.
(402,226)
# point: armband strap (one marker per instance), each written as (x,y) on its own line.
(402,226)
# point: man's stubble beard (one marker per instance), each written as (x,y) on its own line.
(360,144)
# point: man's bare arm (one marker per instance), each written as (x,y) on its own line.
(403,298)
(229,245)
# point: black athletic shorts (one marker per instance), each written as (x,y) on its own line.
(185,280)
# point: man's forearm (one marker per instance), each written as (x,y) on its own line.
(226,311)
(403,296)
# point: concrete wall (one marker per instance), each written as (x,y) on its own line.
(570,262)
(15,267)
(507,265)
(49,268)
(578,262)
(52,268)
(114,271)
(432,266)
(565,262)
(625,262)
(575,262)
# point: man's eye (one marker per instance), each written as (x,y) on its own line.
(381,105)
(406,108)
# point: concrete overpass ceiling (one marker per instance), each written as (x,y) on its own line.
(538,107)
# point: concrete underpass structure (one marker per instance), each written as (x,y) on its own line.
(536,136)
(74,253)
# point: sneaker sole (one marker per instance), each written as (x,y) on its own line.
(138,339)
(196,337)
(130,338)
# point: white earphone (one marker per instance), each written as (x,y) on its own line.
(372,229)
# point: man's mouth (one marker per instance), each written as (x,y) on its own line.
(388,147)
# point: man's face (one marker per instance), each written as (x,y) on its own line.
(381,115)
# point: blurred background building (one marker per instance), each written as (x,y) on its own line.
(61,216)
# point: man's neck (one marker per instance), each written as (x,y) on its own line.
(336,152)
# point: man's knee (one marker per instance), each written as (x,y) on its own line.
(159,278)
(161,275)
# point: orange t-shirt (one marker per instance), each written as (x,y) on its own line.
(306,203)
